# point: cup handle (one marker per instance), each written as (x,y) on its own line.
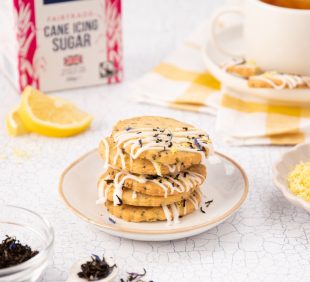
(212,29)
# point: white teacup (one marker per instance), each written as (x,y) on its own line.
(276,38)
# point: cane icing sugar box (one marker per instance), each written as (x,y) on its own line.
(60,44)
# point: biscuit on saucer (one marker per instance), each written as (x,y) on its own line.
(158,186)
(151,214)
(142,166)
(277,80)
(242,68)
(161,140)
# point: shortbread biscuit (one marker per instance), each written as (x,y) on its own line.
(155,185)
(242,68)
(132,198)
(279,81)
(151,214)
(143,166)
(159,139)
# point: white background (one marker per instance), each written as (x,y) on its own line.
(267,240)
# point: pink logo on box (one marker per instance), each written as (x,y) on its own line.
(114,38)
(26,37)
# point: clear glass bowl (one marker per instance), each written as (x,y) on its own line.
(31,229)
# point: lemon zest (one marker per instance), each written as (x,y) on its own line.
(299,181)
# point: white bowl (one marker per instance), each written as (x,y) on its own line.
(282,168)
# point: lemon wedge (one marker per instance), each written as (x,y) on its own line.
(14,124)
(51,116)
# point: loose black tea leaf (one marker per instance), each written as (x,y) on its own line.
(135,277)
(202,210)
(208,203)
(12,252)
(95,269)
(112,220)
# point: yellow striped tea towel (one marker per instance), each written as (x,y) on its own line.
(248,120)
(181,81)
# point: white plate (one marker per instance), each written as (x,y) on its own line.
(226,185)
(282,168)
(231,37)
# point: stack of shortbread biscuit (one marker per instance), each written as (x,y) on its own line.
(153,169)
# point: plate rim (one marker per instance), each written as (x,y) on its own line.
(115,228)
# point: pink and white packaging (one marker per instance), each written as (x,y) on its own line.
(60,44)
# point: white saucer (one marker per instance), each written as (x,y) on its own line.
(231,37)
(282,168)
(226,185)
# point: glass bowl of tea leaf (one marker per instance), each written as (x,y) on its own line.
(26,243)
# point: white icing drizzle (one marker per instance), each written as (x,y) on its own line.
(140,140)
(102,193)
(175,209)
(183,182)
(287,80)
(186,181)
(118,185)
(157,168)
(144,139)
(119,154)
(174,168)
(194,201)
(175,212)
(199,192)
(167,214)
(134,194)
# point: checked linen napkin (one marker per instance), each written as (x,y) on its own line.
(182,82)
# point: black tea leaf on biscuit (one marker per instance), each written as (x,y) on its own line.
(120,201)
(151,177)
(140,142)
(198,144)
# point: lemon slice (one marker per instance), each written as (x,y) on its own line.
(14,124)
(51,116)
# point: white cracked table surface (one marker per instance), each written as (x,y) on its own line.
(266,240)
